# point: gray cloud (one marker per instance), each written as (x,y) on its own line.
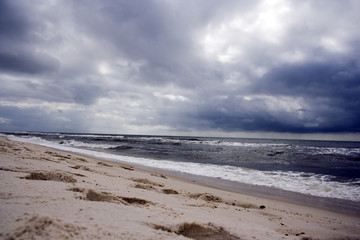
(309,97)
(35,119)
(175,66)
(28,62)
(19,45)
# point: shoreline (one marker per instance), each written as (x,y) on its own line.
(96,198)
(331,204)
(294,186)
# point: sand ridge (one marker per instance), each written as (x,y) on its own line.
(51,194)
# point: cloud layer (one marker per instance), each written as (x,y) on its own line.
(180,66)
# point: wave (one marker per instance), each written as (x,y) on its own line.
(200,141)
(338,151)
(284,147)
(74,143)
(83,140)
(246,145)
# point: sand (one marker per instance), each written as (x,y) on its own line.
(51,194)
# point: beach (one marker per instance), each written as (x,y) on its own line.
(52,194)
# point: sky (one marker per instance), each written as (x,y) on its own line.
(259,68)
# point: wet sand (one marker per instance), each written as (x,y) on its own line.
(338,205)
(52,194)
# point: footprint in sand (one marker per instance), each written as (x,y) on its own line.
(92,195)
(206,197)
(170,191)
(104,164)
(144,183)
(51,176)
(199,231)
(81,167)
(147,182)
(39,227)
(214,199)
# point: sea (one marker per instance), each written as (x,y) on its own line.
(323,169)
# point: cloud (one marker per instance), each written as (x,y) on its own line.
(174,66)
(35,118)
(28,62)
(19,52)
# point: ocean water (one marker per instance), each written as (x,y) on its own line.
(329,169)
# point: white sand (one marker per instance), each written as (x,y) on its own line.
(52,194)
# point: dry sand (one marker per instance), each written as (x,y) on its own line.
(52,194)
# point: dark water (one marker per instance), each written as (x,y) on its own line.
(320,168)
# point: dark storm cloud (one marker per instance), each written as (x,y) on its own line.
(333,119)
(17,53)
(28,62)
(13,23)
(328,80)
(330,90)
(35,119)
(279,66)
(26,49)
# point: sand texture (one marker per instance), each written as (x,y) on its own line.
(52,194)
